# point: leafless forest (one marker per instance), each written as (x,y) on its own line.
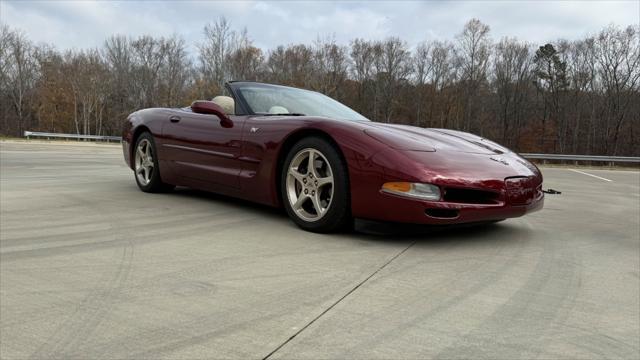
(567,96)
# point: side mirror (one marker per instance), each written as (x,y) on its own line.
(209,107)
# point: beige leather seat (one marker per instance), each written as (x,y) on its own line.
(226,103)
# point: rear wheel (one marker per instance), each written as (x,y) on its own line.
(146,169)
(315,186)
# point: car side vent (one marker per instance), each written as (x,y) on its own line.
(470,196)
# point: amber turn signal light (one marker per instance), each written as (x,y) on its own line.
(414,190)
(397,186)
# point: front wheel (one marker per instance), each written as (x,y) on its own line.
(315,186)
(147,171)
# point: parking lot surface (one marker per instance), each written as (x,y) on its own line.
(90,267)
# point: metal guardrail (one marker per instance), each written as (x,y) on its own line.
(599,158)
(29,134)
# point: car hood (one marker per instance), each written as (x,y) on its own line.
(411,138)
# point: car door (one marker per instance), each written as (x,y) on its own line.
(198,147)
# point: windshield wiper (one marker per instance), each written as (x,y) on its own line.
(282,114)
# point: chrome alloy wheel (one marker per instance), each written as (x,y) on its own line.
(144,162)
(309,184)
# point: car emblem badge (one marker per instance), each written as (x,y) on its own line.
(254,129)
(500,160)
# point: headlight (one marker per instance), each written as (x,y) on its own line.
(414,190)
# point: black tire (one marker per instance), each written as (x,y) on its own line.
(338,213)
(155,184)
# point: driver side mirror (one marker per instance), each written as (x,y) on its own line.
(209,107)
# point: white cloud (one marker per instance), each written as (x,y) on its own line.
(81,24)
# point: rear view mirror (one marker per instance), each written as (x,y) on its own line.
(209,107)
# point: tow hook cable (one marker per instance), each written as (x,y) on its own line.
(552,192)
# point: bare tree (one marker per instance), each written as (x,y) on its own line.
(618,58)
(246,63)
(149,55)
(118,55)
(393,65)
(445,70)
(474,47)
(174,72)
(292,65)
(581,75)
(88,75)
(330,66)
(512,78)
(19,73)
(423,67)
(444,75)
(6,36)
(362,60)
(220,41)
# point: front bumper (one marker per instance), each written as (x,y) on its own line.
(405,210)
(480,188)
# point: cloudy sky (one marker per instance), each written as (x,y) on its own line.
(81,24)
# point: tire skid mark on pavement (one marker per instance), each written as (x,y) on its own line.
(184,230)
(70,339)
(480,275)
(556,272)
(183,331)
(539,315)
(197,330)
(183,334)
(83,326)
(220,266)
(222,263)
(468,274)
(83,233)
(602,345)
(75,333)
(89,313)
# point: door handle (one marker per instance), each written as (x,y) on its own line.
(174,118)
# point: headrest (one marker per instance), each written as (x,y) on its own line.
(226,103)
(278,110)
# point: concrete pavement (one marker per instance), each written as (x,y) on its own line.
(90,267)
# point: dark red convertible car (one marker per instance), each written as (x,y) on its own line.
(325,163)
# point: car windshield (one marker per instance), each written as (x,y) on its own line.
(264,99)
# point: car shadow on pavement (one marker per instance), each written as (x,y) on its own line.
(381,228)
(487,234)
(365,229)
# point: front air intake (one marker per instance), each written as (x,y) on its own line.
(442,213)
(470,196)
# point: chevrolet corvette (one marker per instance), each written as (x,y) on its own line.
(325,163)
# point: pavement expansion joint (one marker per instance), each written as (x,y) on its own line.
(339,300)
